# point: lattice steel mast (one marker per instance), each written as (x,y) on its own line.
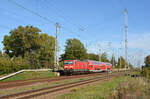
(56,63)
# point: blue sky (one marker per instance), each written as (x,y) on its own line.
(94,22)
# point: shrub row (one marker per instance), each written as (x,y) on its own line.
(8,65)
(146,72)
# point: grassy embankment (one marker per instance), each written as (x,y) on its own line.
(31,75)
(117,88)
(98,91)
(133,88)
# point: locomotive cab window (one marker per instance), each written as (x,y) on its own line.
(68,62)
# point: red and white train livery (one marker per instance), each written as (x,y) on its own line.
(77,66)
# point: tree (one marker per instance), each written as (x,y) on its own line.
(130,66)
(121,61)
(147,61)
(27,42)
(46,51)
(22,40)
(104,57)
(44,56)
(9,65)
(92,56)
(1,54)
(113,61)
(146,68)
(95,57)
(74,49)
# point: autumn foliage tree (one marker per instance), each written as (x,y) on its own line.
(147,61)
(113,61)
(29,43)
(121,62)
(22,40)
(92,56)
(74,49)
(104,57)
(146,68)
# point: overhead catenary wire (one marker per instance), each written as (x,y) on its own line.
(43,17)
(17,17)
(12,16)
(35,13)
(46,19)
(60,14)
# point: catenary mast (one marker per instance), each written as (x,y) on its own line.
(56,64)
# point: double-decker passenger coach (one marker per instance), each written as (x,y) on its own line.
(87,66)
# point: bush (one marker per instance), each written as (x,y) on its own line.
(131,89)
(146,72)
(8,65)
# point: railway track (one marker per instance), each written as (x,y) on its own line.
(49,90)
(4,85)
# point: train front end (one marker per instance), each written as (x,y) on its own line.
(69,67)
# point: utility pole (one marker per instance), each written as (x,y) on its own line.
(113,59)
(99,53)
(110,48)
(120,56)
(126,39)
(139,59)
(56,63)
(120,62)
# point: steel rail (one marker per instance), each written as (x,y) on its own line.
(42,91)
(29,82)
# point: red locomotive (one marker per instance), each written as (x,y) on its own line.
(77,66)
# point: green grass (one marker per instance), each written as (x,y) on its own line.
(98,91)
(136,72)
(3,75)
(31,75)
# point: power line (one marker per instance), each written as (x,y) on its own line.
(81,28)
(35,13)
(15,18)
(43,17)
(57,11)
(12,14)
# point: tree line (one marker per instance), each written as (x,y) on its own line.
(28,47)
(146,67)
